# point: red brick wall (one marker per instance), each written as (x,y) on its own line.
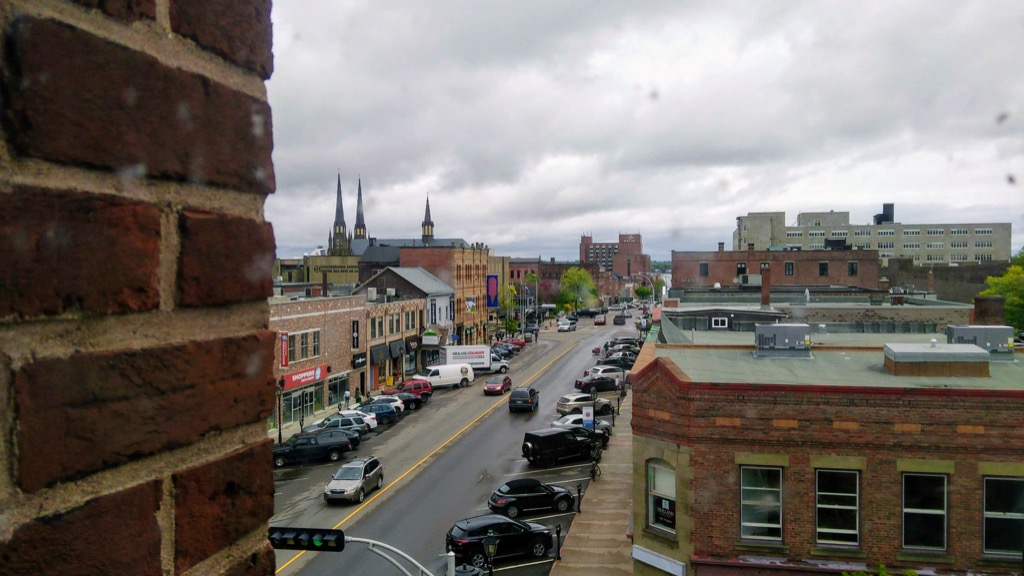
(722,267)
(136,373)
(716,422)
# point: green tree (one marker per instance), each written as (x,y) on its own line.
(576,285)
(659,287)
(507,303)
(642,292)
(1018,258)
(533,282)
(1011,287)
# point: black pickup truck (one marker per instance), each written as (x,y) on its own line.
(548,446)
(304,446)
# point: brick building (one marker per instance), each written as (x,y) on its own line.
(137,381)
(857,268)
(623,258)
(827,462)
(464,268)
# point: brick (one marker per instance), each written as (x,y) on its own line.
(785,423)
(219,502)
(841,425)
(723,421)
(127,110)
(239,32)
(93,411)
(262,562)
(125,10)
(906,427)
(224,260)
(65,252)
(112,535)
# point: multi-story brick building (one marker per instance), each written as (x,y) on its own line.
(745,464)
(321,353)
(857,268)
(464,268)
(623,258)
(925,244)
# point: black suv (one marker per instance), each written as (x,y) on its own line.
(516,538)
(599,383)
(546,447)
(305,446)
(620,361)
(523,399)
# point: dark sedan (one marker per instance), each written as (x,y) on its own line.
(516,538)
(410,401)
(529,495)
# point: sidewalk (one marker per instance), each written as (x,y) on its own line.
(596,543)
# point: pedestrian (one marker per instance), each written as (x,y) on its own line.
(348,395)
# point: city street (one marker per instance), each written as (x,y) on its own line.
(440,465)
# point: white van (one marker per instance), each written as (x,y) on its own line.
(454,375)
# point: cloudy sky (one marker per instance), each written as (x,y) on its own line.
(531,122)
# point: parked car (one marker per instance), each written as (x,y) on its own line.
(465,539)
(422,388)
(515,340)
(354,480)
(384,412)
(309,446)
(525,399)
(566,326)
(576,421)
(531,328)
(574,318)
(502,351)
(339,422)
(409,401)
(368,418)
(600,384)
(599,320)
(619,361)
(626,347)
(575,402)
(609,371)
(392,401)
(548,446)
(497,385)
(524,495)
(452,375)
(619,320)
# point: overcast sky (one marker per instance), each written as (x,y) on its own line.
(529,123)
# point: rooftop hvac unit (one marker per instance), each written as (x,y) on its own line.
(782,341)
(371,294)
(750,279)
(998,340)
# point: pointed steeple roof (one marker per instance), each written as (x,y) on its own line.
(426,216)
(339,210)
(360,224)
(428,225)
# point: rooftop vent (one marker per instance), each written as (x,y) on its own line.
(932,359)
(997,340)
(782,341)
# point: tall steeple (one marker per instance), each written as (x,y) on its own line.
(427,225)
(360,225)
(337,242)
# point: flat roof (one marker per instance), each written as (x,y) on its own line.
(839,364)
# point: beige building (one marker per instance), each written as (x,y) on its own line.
(925,244)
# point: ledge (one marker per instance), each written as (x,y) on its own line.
(938,558)
(838,552)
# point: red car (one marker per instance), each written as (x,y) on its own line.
(497,385)
(516,340)
(599,320)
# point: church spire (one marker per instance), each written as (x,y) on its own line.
(428,225)
(339,210)
(337,240)
(360,225)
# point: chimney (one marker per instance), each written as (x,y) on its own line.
(989,311)
(931,281)
(750,246)
(766,286)
(721,246)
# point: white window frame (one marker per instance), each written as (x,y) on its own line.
(663,490)
(764,497)
(914,512)
(719,322)
(841,503)
(1002,517)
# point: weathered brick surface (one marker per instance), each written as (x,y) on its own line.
(78,99)
(112,535)
(237,31)
(215,247)
(261,562)
(127,10)
(81,414)
(217,503)
(62,252)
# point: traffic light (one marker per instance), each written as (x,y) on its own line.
(312,539)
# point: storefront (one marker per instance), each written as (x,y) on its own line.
(336,386)
(397,349)
(412,344)
(302,393)
(380,356)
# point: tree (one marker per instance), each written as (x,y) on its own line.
(577,284)
(642,292)
(507,303)
(533,280)
(659,287)
(1011,287)
(1018,258)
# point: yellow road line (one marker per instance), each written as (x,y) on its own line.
(427,457)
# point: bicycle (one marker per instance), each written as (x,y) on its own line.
(595,470)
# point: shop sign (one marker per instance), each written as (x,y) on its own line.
(664,511)
(430,338)
(359,361)
(284,349)
(303,377)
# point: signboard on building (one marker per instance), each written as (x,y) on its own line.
(284,349)
(492,290)
(359,361)
(430,338)
(303,377)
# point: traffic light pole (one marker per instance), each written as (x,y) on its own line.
(375,547)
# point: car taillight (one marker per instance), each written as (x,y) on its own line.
(500,501)
(585,372)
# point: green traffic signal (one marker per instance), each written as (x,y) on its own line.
(317,539)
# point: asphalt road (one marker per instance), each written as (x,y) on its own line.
(440,464)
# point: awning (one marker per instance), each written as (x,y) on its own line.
(379,353)
(397,348)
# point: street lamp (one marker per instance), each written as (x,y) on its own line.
(490,549)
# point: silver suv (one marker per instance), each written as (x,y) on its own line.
(574,404)
(354,480)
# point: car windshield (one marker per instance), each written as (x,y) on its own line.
(565,420)
(349,473)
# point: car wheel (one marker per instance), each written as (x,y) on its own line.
(380,482)
(503,369)
(360,495)
(463,383)
(537,548)
(477,559)
(549,461)
(424,398)
(606,409)
(512,512)
(562,505)
(279,461)
(334,455)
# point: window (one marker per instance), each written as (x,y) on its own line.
(704,269)
(886,232)
(911,232)
(958,231)
(822,268)
(936,232)
(661,496)
(862,232)
(982,257)
(303,345)
(788,267)
(794,233)
(935,257)
(719,322)
(373,328)
(886,245)
(838,507)
(851,268)
(837,234)
(935,245)
(1004,515)
(761,503)
(958,244)
(982,243)
(355,334)
(958,257)
(816,247)
(983,231)
(924,511)
(816,233)
(741,268)
(911,245)
(316,343)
